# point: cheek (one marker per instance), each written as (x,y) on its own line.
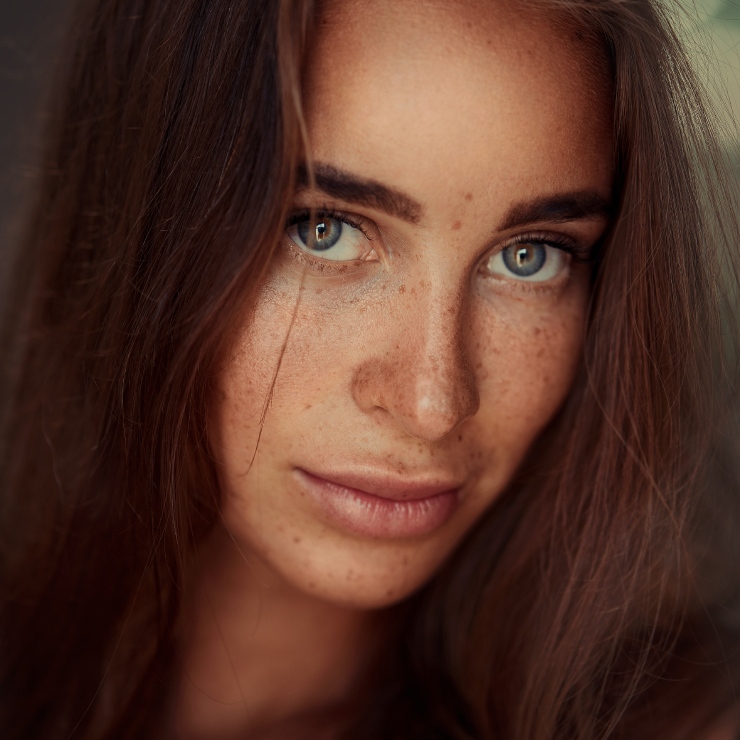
(287,361)
(536,367)
(526,362)
(242,388)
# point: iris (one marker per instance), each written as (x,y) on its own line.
(524,260)
(327,233)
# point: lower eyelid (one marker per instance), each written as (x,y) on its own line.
(303,258)
(520,289)
(316,263)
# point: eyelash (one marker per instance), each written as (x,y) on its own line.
(578,253)
(318,213)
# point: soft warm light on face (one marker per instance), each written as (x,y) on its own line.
(432,290)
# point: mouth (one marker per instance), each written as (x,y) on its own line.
(381,506)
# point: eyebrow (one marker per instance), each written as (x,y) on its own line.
(369,193)
(576,206)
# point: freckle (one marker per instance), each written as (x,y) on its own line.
(307,407)
(402,289)
(319,290)
(468,196)
(537,331)
(389,592)
(296,540)
(540,352)
(459,437)
(456,225)
(312,585)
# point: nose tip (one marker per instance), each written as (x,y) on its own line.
(439,408)
(428,394)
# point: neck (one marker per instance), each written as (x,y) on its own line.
(258,652)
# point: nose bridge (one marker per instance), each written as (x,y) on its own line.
(439,360)
(424,379)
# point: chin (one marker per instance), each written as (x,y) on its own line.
(370,591)
(352,572)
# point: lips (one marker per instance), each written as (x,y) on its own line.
(381,506)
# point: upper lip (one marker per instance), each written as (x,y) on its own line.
(390,485)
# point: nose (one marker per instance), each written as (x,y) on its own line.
(419,373)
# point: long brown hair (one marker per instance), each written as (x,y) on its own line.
(578,608)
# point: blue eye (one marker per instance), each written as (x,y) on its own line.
(329,236)
(530,261)
(524,260)
(326,233)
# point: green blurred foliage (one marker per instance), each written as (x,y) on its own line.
(728,11)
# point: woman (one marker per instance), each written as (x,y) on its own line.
(366,377)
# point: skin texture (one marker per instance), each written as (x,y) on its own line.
(413,360)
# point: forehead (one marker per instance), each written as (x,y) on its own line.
(488,94)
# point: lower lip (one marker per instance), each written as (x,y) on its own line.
(369,515)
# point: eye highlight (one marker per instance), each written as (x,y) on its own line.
(531,260)
(329,235)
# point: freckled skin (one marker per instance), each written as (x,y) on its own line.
(416,361)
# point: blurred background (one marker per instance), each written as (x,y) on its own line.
(712,29)
(30,32)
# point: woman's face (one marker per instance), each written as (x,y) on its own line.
(427,325)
